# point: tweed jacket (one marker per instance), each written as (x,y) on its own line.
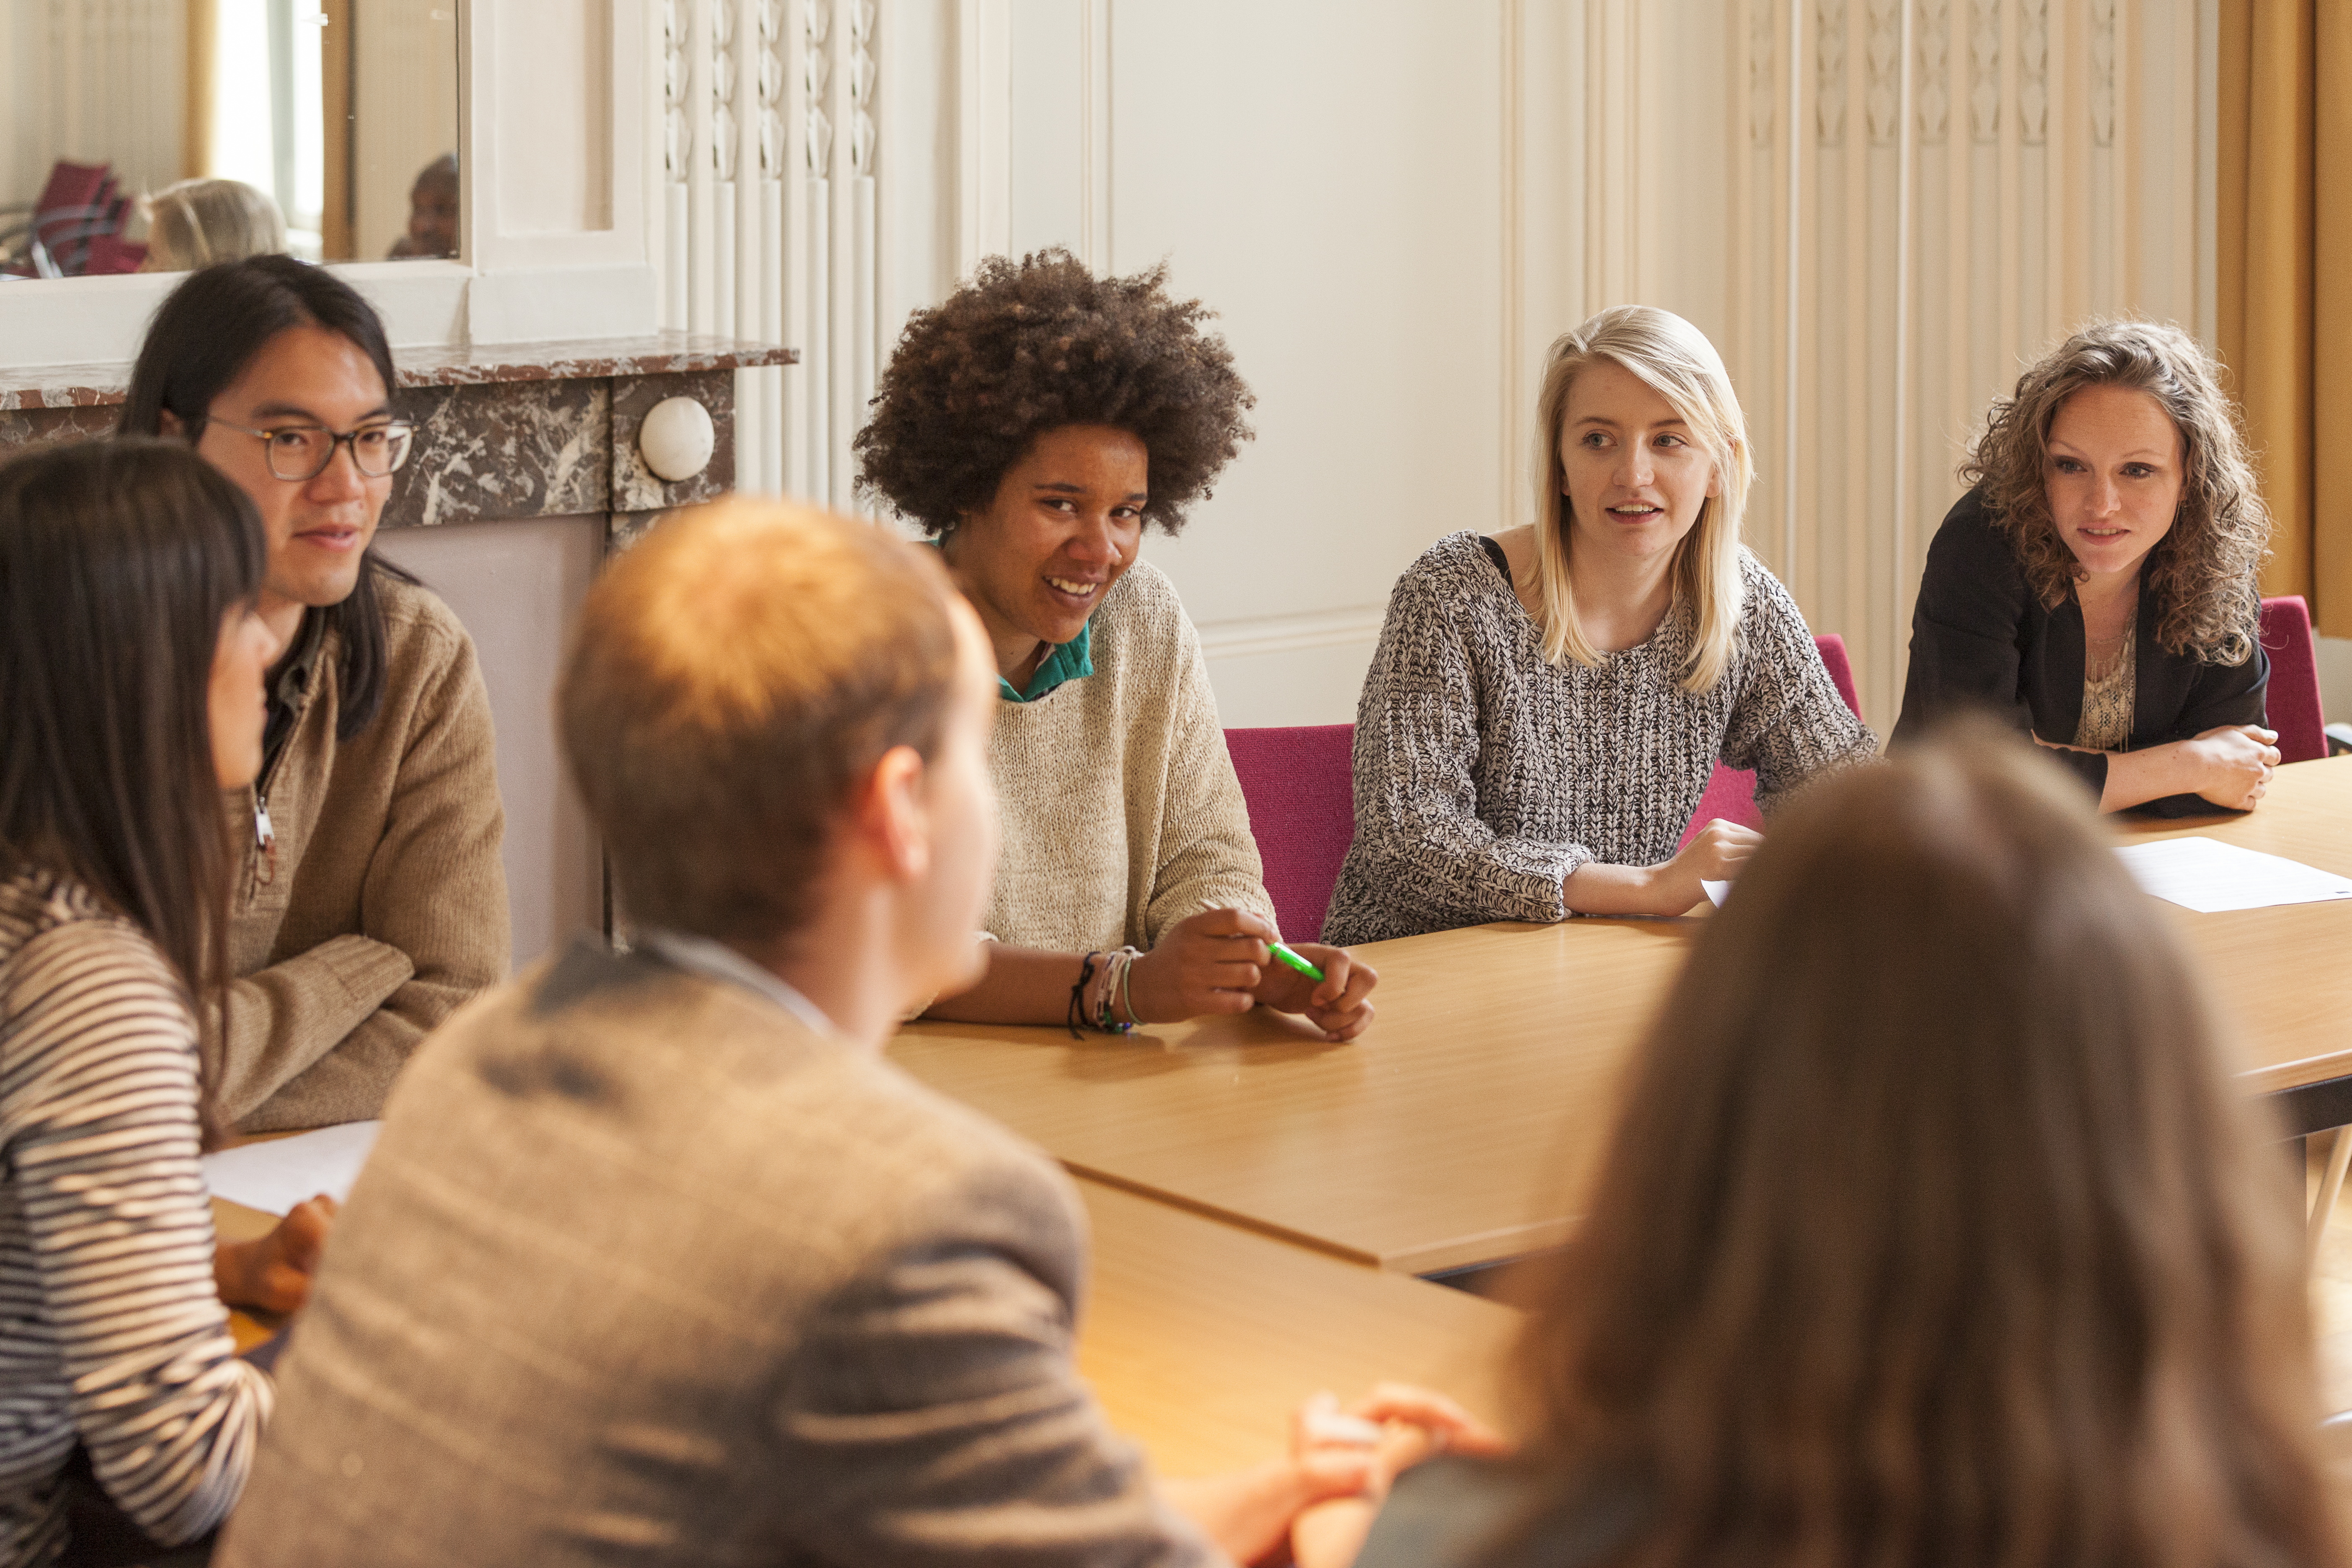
(382,903)
(644,1269)
(1981,640)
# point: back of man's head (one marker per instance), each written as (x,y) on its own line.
(735,677)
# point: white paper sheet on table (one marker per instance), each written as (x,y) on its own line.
(274,1177)
(2209,876)
(1715,891)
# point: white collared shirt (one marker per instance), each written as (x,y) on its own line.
(717,961)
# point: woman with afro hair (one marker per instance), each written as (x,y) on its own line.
(1033,424)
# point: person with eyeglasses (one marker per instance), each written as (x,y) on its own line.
(369,900)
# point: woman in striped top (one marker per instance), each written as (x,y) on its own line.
(131,669)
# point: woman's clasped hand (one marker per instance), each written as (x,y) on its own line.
(1219,961)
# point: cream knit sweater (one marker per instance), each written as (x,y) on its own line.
(1122,812)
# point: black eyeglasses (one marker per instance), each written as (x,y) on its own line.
(299,452)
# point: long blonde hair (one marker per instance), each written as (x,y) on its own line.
(1675,358)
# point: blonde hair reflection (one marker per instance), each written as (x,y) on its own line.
(195,223)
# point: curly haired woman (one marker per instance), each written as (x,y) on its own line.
(2096,585)
(1034,422)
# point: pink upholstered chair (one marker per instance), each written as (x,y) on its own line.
(2294,710)
(1731,791)
(1302,805)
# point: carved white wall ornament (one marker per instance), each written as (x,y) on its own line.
(861,86)
(678,136)
(769,85)
(1829,71)
(1935,51)
(1884,56)
(2102,72)
(816,22)
(1984,70)
(722,91)
(1759,73)
(2033,71)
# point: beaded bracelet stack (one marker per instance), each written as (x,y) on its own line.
(1101,993)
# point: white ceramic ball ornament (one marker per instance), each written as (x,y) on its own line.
(676,438)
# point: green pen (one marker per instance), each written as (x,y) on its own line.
(1295,962)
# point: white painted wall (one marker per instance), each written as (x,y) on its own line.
(1310,171)
(1387,203)
(518,586)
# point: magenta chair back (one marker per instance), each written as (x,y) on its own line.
(1301,792)
(2293,697)
(1731,791)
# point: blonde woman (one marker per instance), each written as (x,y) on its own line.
(1545,706)
(2096,585)
(195,223)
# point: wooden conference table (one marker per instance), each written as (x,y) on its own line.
(1226,1162)
(1200,1338)
(1463,1127)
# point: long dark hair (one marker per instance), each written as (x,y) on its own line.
(119,561)
(204,335)
(1934,1229)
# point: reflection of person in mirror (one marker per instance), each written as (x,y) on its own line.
(195,223)
(432,212)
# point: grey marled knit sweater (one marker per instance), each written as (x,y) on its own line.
(1485,775)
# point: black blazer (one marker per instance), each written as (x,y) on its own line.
(1980,639)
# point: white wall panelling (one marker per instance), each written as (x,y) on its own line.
(766,215)
(1394,206)
(1967,180)
(1877,208)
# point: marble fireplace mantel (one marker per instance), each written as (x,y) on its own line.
(509,431)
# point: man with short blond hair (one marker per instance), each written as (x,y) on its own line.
(658,1261)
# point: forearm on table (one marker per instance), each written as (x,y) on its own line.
(349,1081)
(2134,778)
(1020,985)
(1597,887)
(282,1019)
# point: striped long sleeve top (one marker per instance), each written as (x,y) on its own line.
(110,1332)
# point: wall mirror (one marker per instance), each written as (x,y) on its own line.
(156,135)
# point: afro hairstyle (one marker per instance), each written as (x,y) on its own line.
(1029,346)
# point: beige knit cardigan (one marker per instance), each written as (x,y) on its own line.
(1121,813)
(383,904)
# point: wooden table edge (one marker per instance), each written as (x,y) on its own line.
(1436,1258)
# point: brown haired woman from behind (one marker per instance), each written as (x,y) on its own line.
(2097,587)
(1933,1231)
